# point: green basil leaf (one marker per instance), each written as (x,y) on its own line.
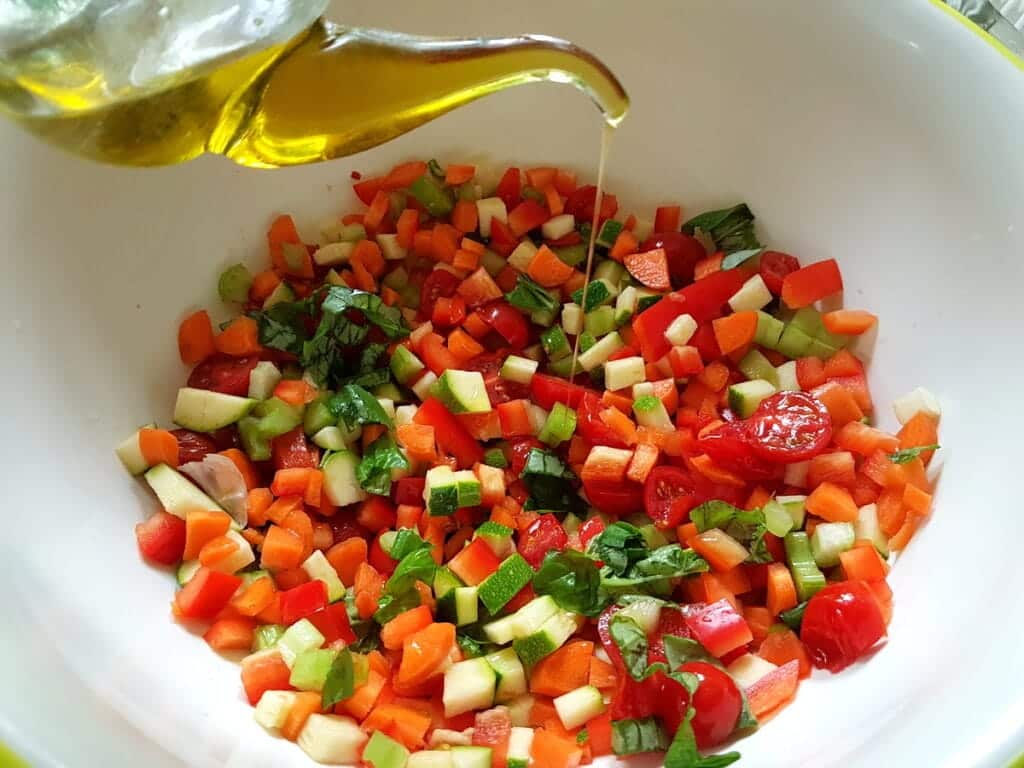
(630,737)
(619,546)
(357,407)
(573,580)
(747,526)
(340,680)
(389,606)
(549,482)
(418,565)
(374,470)
(529,296)
(283,326)
(682,752)
(406,541)
(909,454)
(632,642)
(732,229)
(736,258)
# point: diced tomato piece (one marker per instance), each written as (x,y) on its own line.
(303,600)
(161,538)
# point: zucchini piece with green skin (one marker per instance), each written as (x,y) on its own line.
(317,567)
(745,396)
(651,412)
(785,377)
(520,742)
(330,439)
(497,536)
(441,492)
(599,321)
(612,273)
(340,481)
(275,417)
(266,636)
(601,351)
(186,571)
(445,581)
(432,195)
(500,587)
(204,410)
(381,751)
(178,495)
(559,425)
(608,233)
(459,606)
(309,671)
(281,293)
(462,391)
(625,305)
(511,675)
(471,757)
(430,758)
(794,342)
(572,319)
(571,254)
(405,365)
(300,637)
(388,391)
(755,365)
(495,457)
(318,415)
(578,706)
(821,349)
(808,577)
(555,342)
(519,369)
(264,377)
(468,685)
(866,527)
(523,622)
(599,292)
(769,330)
(794,505)
(829,540)
(467,488)
(255,445)
(551,636)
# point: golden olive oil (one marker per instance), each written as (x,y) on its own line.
(329,92)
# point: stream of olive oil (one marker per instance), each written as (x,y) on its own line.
(607,133)
(329,92)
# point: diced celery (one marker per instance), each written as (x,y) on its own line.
(432,195)
(808,320)
(829,540)
(769,331)
(555,343)
(523,254)
(794,342)
(559,425)
(266,636)
(794,506)
(299,637)
(808,577)
(777,518)
(820,349)
(234,283)
(310,668)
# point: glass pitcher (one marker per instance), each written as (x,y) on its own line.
(266,83)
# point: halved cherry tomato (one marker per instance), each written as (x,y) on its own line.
(731,448)
(775,265)
(193,446)
(581,204)
(590,425)
(669,495)
(293,450)
(509,188)
(520,449)
(717,704)
(842,622)
(161,538)
(228,375)
(682,251)
(440,282)
(615,498)
(544,535)
(789,426)
(507,322)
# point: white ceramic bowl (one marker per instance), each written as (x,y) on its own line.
(881,133)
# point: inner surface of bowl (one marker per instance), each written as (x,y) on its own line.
(842,125)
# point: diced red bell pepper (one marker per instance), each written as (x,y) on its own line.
(546,390)
(651,324)
(303,601)
(774,689)
(475,563)
(544,535)
(815,281)
(206,594)
(591,528)
(333,623)
(509,188)
(705,298)
(409,490)
(452,437)
(718,627)
(528,215)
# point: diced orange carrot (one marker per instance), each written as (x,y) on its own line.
(282,549)
(202,526)
(864,440)
(255,598)
(620,423)
(463,346)
(833,503)
(781,646)
(547,269)
(840,403)
(851,322)
(257,504)
(458,174)
(624,245)
(735,331)
(425,651)
(759,619)
(464,216)
(921,429)
(306,704)
(393,634)
(408,223)
(195,338)
(781,590)
(216,550)
(158,446)
(346,556)
(916,500)
(419,440)
(239,339)
(263,284)
(863,563)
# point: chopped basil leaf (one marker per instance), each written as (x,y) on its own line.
(357,407)
(619,546)
(529,296)
(471,648)
(406,542)
(435,168)
(632,643)
(374,470)
(283,326)
(630,737)
(682,752)
(573,580)
(745,525)
(909,454)
(340,680)
(549,482)
(732,229)
(390,606)
(794,617)
(736,258)
(418,565)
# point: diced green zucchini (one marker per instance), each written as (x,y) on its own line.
(572,318)
(820,349)
(549,638)
(178,495)
(572,255)
(497,536)
(794,342)
(317,567)
(310,668)
(808,577)
(459,605)
(340,482)
(264,377)
(653,537)
(559,425)
(520,742)
(777,518)
(381,751)
(599,292)
(608,233)
(755,365)
(795,507)
(556,344)
(625,305)
(624,372)
(601,351)
(333,254)
(467,488)
(769,330)
(255,445)
(829,540)
(681,330)
(523,254)
(445,581)
(332,740)
(471,757)
(423,386)
(186,571)
(495,457)
(599,321)
(275,417)
(300,637)
(745,396)
(318,415)
(753,295)
(468,685)
(266,635)
(442,492)
(518,369)
(866,527)
(645,612)
(510,672)
(432,195)
(390,248)
(204,410)
(501,631)
(587,341)
(462,391)
(330,439)
(388,392)
(405,365)
(651,412)
(785,377)
(646,298)
(512,575)
(578,706)
(808,320)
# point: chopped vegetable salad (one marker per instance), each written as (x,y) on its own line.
(462,507)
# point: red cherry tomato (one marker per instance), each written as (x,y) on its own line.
(730,447)
(293,450)
(590,529)
(631,699)
(590,426)
(440,282)
(717,704)
(501,390)
(670,622)
(228,375)
(193,446)
(581,204)
(789,426)
(614,498)
(161,538)
(507,321)
(774,268)
(842,622)
(682,251)
(545,534)
(409,490)
(546,390)
(669,495)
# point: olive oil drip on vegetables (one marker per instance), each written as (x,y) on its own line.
(607,132)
